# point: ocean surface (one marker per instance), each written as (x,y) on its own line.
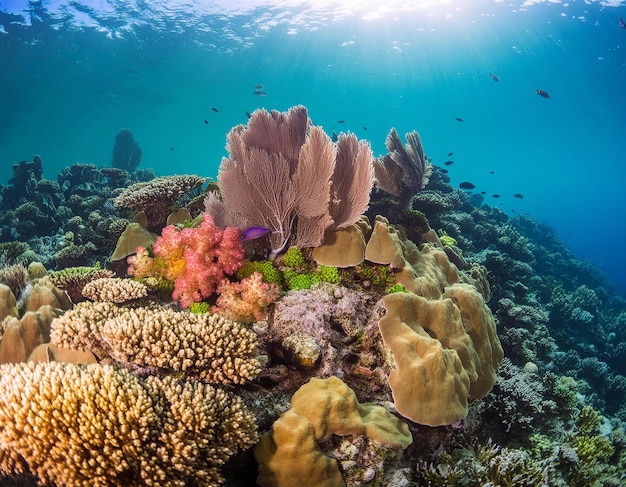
(464,74)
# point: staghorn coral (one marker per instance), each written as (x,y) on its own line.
(245,301)
(114,290)
(156,197)
(195,259)
(209,347)
(100,426)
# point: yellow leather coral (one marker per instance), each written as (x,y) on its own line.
(290,455)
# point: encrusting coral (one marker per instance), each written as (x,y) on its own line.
(209,347)
(290,453)
(100,426)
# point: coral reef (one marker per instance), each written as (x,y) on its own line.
(394,312)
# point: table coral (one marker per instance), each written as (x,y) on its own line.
(157,196)
(97,426)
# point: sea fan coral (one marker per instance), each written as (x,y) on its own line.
(195,259)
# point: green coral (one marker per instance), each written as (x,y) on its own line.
(383,277)
(200,307)
(589,421)
(396,288)
(328,274)
(266,268)
(447,240)
(294,258)
(303,281)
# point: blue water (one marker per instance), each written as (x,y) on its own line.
(75,72)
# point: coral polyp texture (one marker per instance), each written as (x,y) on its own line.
(97,425)
(157,196)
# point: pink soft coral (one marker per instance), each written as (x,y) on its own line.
(196,259)
(246,301)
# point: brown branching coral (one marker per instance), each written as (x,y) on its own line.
(16,277)
(404,170)
(114,290)
(73,279)
(208,347)
(288,176)
(97,426)
(156,197)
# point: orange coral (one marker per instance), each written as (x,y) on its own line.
(246,301)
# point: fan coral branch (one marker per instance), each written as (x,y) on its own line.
(404,170)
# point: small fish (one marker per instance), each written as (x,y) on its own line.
(445,171)
(259,93)
(248,114)
(214,109)
(334,136)
(206,122)
(364,128)
(494,77)
(254,232)
(172,149)
(458,119)
(492,172)
(258,87)
(495,195)
(519,196)
(448,163)
(622,24)
(544,94)
(450,154)
(341,121)
(466,185)
(483,192)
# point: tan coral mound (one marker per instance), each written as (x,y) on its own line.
(97,426)
(444,351)
(204,346)
(290,455)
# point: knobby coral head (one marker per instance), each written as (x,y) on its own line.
(195,259)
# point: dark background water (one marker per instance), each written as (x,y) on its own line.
(74,73)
